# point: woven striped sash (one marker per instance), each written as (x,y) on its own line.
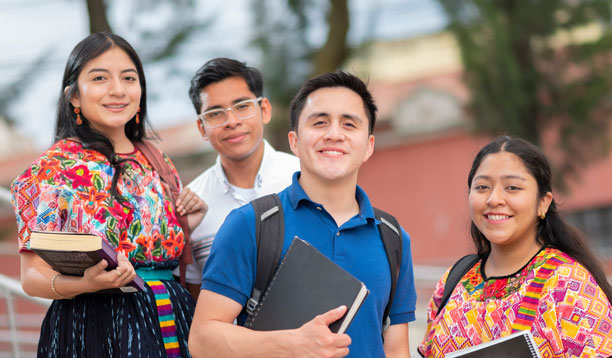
(166,318)
(164,307)
(529,304)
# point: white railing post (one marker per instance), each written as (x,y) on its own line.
(5,195)
(12,288)
(12,323)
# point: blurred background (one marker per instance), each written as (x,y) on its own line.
(447,75)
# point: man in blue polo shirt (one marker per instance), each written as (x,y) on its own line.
(332,120)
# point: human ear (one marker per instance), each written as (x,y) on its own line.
(266,110)
(293,143)
(202,129)
(370,148)
(544,203)
(74,99)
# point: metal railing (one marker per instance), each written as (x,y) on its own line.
(5,195)
(11,289)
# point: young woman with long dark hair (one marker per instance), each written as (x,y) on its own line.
(94,180)
(534,271)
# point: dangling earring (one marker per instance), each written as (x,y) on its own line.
(542,216)
(77,111)
(138,116)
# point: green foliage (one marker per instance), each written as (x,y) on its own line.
(535,69)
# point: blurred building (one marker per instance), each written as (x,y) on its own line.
(424,150)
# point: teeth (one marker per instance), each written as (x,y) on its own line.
(333,152)
(497,217)
(115,105)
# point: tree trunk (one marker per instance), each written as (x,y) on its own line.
(333,54)
(97,16)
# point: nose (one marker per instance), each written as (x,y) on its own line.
(334,132)
(495,197)
(117,88)
(231,120)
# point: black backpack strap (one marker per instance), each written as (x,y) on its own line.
(391,235)
(459,269)
(269,236)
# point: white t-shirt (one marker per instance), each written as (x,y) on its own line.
(274,175)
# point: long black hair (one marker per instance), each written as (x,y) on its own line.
(552,231)
(89,48)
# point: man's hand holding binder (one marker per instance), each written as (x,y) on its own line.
(315,339)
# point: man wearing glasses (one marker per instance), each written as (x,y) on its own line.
(228,98)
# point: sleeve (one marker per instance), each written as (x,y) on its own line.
(432,310)
(231,266)
(46,207)
(24,198)
(583,314)
(404,301)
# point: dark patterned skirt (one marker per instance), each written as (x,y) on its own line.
(116,325)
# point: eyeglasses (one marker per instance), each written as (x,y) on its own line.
(218,117)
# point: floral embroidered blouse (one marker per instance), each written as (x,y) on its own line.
(68,189)
(573,317)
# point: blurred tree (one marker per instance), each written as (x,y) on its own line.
(97,16)
(283,34)
(156,40)
(11,92)
(539,69)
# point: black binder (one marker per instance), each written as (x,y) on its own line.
(516,345)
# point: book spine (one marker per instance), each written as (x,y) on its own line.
(108,253)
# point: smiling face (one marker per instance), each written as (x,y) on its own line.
(332,138)
(237,139)
(108,92)
(504,201)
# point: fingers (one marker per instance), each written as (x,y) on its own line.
(332,316)
(124,272)
(317,338)
(189,202)
(98,268)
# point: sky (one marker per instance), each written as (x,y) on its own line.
(31,28)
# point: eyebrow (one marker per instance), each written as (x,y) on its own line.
(344,115)
(486,177)
(237,100)
(105,70)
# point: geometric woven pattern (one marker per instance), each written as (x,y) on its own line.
(572,318)
(68,189)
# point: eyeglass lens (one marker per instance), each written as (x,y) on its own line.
(242,110)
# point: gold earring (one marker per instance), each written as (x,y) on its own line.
(138,116)
(77,111)
(542,216)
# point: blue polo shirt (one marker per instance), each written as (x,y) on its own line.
(355,246)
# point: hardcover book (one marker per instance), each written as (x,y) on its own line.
(519,344)
(70,253)
(307,284)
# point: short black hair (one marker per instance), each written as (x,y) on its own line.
(333,79)
(219,69)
